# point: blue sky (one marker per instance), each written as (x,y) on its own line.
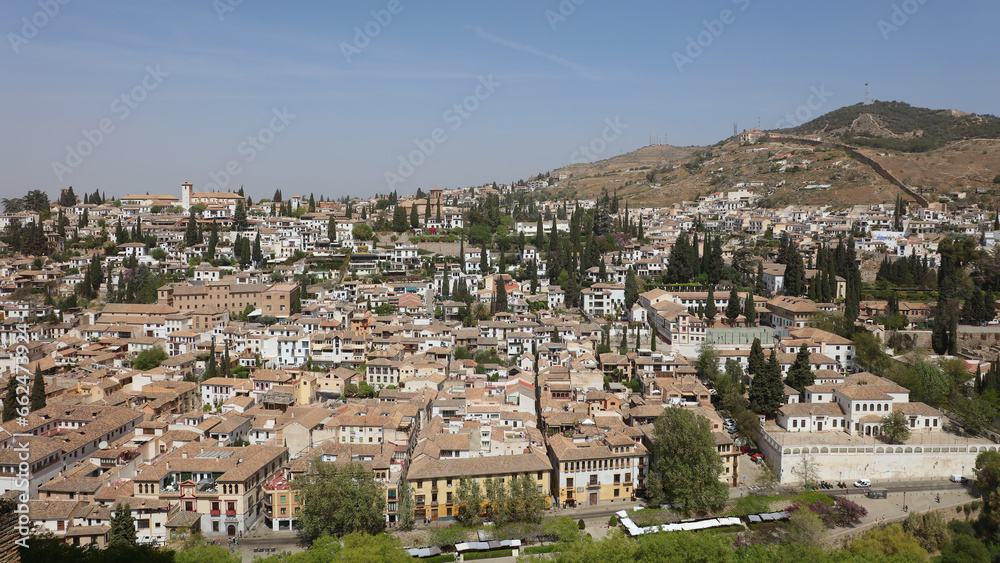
(199,79)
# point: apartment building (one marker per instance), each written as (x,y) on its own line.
(597,469)
(270,300)
(221,484)
(434,481)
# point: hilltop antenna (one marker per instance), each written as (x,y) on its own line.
(868,94)
(734,129)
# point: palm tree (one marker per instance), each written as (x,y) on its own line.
(481,312)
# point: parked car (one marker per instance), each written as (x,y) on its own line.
(863,483)
(744,449)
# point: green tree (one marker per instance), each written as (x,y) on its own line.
(805,528)
(750,310)
(211,368)
(964,549)
(123,531)
(192,234)
(240,216)
(213,242)
(399,221)
(340,499)
(710,309)
(631,289)
(890,541)
(894,428)
(498,505)
(988,482)
(258,255)
(686,464)
(800,375)
(767,392)
(38,390)
(362,231)
(404,510)
(500,301)
(733,307)
(469,501)
(10,400)
(414,217)
(756,361)
(708,362)
(526,502)
(202,552)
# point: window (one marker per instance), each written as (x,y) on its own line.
(215,526)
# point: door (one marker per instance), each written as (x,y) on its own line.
(231,530)
(819,426)
(593,498)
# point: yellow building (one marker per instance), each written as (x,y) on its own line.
(435,481)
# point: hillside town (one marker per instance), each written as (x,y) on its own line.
(194,354)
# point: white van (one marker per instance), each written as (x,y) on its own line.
(863,483)
(956,478)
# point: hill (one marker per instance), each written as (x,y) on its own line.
(899,126)
(933,152)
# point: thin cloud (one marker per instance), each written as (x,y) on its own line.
(575,67)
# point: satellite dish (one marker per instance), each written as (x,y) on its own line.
(103,445)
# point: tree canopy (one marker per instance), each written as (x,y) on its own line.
(686,465)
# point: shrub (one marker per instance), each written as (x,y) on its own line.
(613,521)
(581,524)
(538,549)
(488,554)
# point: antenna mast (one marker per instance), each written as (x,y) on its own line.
(868,94)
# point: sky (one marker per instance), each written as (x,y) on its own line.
(356,98)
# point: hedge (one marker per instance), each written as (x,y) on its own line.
(488,554)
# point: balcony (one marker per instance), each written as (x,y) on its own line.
(213,512)
(230,513)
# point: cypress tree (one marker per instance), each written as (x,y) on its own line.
(756,360)
(213,242)
(631,288)
(767,391)
(710,309)
(211,370)
(10,400)
(733,307)
(258,256)
(799,374)
(750,311)
(38,390)
(500,300)
(123,533)
(240,216)
(192,235)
